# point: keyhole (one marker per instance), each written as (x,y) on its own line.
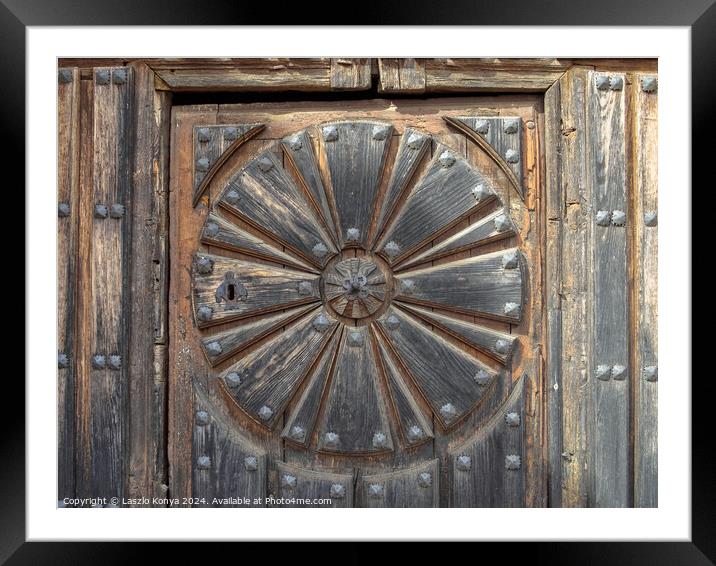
(232,291)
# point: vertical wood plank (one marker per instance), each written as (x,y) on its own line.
(350,74)
(610,452)
(645,296)
(68,156)
(401,75)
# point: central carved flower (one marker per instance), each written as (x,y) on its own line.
(355,287)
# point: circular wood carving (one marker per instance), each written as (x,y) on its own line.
(354,320)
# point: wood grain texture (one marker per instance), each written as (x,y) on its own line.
(487,470)
(411,487)
(354,158)
(402,75)
(301,487)
(442,197)
(355,408)
(611,457)
(479,285)
(645,296)
(350,74)
(270,375)
(68,177)
(264,199)
(451,381)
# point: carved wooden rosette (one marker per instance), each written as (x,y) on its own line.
(347,306)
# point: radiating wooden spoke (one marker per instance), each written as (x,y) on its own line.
(452,381)
(266,197)
(264,381)
(355,155)
(449,191)
(488,285)
(355,419)
(228,289)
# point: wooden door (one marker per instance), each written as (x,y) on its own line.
(354,305)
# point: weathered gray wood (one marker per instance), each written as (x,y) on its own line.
(355,408)
(213,146)
(402,75)
(480,285)
(355,154)
(269,376)
(488,469)
(298,148)
(231,342)
(443,196)
(413,146)
(497,345)
(646,298)
(302,419)
(451,381)
(415,427)
(300,487)
(412,487)
(257,289)
(350,74)
(355,287)
(221,232)
(611,459)
(495,226)
(265,196)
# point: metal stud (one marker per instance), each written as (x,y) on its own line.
(201,418)
(352,234)
(63,210)
(512,156)
(502,223)
(482,127)
(380,132)
(101,77)
(202,164)
(99,361)
(203,462)
(251,463)
(205,265)
(62,361)
(481,192)
(331,440)
(203,135)
(321,323)
(618,218)
(512,310)
(320,250)
(231,133)
(425,479)
(356,339)
(295,143)
(265,413)
(650,218)
(391,249)
(603,372)
(463,463)
(618,372)
(512,419)
(330,133)
(204,313)
(64,76)
(232,196)
(446,159)
(380,440)
(502,346)
(415,141)
(288,481)
(616,83)
(119,76)
(511,126)
(448,412)
(510,260)
(649,84)
(407,286)
(375,490)
(603,217)
(601,82)
(211,230)
(298,433)
(338,491)
(100,211)
(214,348)
(115,362)
(415,433)
(512,462)
(482,377)
(305,288)
(651,373)
(265,164)
(392,322)
(116,210)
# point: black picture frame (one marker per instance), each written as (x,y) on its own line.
(699,15)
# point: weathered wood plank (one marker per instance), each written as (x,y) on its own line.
(489,285)
(412,487)
(402,75)
(645,301)
(302,420)
(263,381)
(227,289)
(451,381)
(353,155)
(68,177)
(448,192)
(265,196)
(305,486)
(348,426)
(497,225)
(611,457)
(350,74)
(488,469)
